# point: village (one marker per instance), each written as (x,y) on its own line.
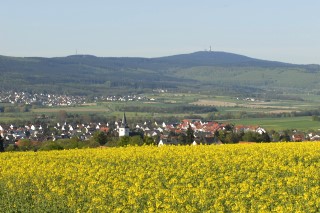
(161,132)
(203,132)
(45,99)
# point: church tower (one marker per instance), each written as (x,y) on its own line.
(124,128)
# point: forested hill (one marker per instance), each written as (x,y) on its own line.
(211,58)
(201,71)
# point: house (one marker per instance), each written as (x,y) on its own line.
(244,128)
(104,129)
(298,137)
(260,130)
(160,143)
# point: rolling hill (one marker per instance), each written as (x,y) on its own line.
(217,72)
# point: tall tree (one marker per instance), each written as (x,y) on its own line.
(190,135)
(100,137)
(265,137)
(1,144)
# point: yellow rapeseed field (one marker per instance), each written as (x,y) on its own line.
(275,177)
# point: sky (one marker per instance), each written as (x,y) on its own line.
(278,30)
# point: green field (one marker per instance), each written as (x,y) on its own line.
(226,105)
(298,123)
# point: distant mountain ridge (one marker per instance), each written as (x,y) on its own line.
(201,71)
(214,58)
(209,58)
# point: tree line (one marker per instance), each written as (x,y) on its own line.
(170,109)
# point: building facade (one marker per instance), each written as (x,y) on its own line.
(124,128)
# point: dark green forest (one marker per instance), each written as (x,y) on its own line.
(219,72)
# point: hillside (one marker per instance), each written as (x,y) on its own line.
(200,71)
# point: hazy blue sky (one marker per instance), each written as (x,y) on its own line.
(282,30)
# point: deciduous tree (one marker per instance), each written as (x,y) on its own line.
(1,144)
(100,137)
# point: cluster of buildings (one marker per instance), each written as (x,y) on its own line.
(203,132)
(38,133)
(40,98)
(123,98)
(61,100)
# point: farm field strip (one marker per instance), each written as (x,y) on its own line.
(303,123)
(71,109)
(244,105)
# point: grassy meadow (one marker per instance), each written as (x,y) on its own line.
(298,123)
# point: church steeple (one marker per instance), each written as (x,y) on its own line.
(124,123)
(124,128)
